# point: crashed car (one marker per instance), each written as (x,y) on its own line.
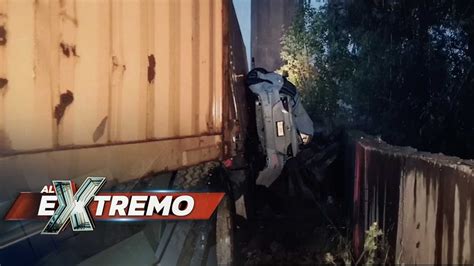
(283,124)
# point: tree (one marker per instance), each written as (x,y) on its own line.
(401,69)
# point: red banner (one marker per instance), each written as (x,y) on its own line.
(129,206)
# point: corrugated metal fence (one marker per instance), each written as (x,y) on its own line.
(422,201)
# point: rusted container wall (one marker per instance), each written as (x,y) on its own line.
(422,201)
(114,88)
(85,78)
(237,119)
(82,73)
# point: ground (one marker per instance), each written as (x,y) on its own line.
(303,233)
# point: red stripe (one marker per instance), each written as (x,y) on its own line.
(26,206)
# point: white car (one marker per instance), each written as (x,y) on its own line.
(282,122)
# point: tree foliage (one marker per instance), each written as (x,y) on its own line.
(398,68)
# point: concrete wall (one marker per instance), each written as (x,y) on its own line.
(422,201)
(269,19)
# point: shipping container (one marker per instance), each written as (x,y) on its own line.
(117,88)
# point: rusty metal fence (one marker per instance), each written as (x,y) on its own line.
(422,201)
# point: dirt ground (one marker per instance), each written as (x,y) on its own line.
(298,233)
